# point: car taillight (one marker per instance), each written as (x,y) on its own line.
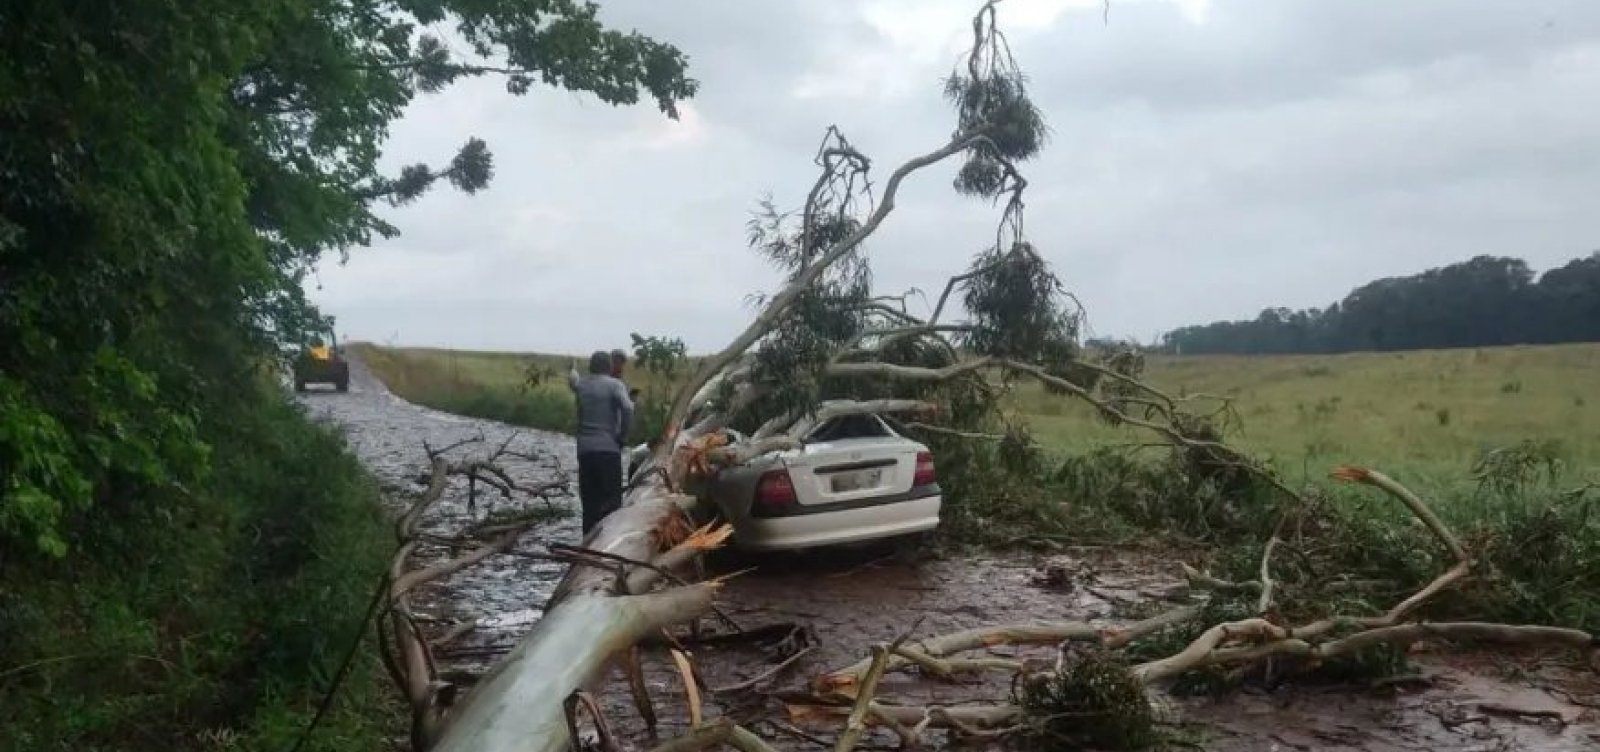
(925,474)
(774,493)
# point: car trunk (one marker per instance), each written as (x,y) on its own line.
(852,459)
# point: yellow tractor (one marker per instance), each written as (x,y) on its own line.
(321,361)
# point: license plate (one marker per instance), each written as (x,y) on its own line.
(846,482)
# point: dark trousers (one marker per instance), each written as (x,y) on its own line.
(599,485)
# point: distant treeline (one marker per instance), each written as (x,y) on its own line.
(1486,301)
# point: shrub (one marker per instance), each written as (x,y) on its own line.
(218,618)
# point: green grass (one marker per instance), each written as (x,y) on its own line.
(209,622)
(1425,416)
(496,385)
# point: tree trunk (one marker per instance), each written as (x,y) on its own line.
(520,705)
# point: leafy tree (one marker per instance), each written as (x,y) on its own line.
(169,173)
(1484,301)
(1569,302)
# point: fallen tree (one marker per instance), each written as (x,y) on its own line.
(596,612)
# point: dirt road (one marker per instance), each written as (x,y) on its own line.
(851,599)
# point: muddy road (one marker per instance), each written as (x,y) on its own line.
(853,598)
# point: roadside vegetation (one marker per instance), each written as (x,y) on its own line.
(206,618)
(183,556)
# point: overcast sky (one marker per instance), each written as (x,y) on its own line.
(1209,158)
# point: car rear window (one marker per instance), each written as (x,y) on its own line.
(849,427)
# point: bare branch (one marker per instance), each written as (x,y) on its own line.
(406,582)
(889,312)
(947,668)
(1394,615)
(751,683)
(1265,601)
(738,454)
(1412,502)
(1197,653)
(838,408)
(1206,581)
(405,527)
(453,633)
(1505,634)
(886,337)
(913,373)
(1115,637)
(1001,716)
(950,285)
(432,453)
(774,426)
(1037,633)
(690,688)
(857,724)
(731,376)
(714,734)
(974,435)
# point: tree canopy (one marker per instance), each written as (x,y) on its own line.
(1484,301)
(170,172)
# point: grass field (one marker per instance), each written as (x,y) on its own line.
(1427,415)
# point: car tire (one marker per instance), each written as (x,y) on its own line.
(299,385)
(343,386)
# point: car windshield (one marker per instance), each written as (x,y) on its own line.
(849,427)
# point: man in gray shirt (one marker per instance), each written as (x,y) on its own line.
(604,415)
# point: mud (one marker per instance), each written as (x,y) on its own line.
(850,599)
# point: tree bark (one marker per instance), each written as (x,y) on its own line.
(519,706)
(591,618)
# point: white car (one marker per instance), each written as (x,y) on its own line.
(854,479)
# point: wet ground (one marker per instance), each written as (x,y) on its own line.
(851,599)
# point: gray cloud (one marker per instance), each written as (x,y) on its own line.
(1209,159)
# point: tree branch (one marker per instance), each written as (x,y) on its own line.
(716,733)
(1412,502)
(973,435)
(891,335)
(738,454)
(802,281)
(839,408)
(913,373)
